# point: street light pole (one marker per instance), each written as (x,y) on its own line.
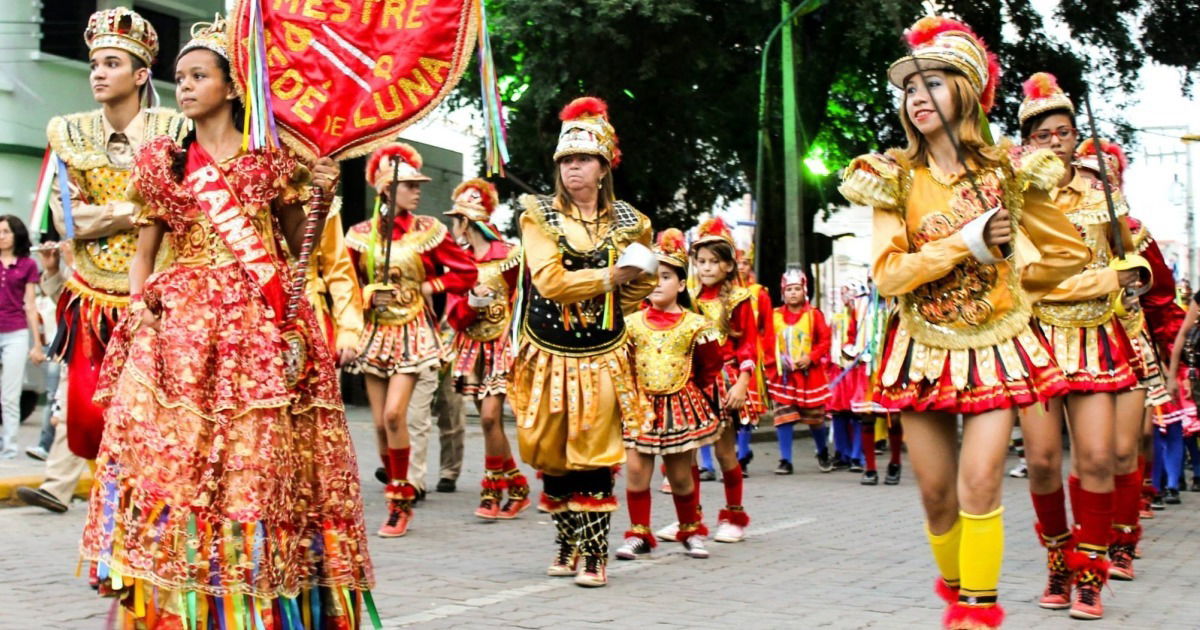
(805,7)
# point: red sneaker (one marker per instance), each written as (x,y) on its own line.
(512,507)
(1057,594)
(397,521)
(489,509)
(1087,603)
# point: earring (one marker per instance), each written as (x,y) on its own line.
(599,185)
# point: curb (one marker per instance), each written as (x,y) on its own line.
(9,485)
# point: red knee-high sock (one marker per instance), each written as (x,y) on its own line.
(398,464)
(696,484)
(868,442)
(1051,511)
(639,507)
(509,463)
(733,486)
(494,463)
(686,508)
(1093,515)
(895,443)
(1126,497)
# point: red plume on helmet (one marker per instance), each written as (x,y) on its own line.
(714,230)
(1117,156)
(927,28)
(1040,85)
(584,106)
(396,150)
(671,247)
(593,107)
(486,189)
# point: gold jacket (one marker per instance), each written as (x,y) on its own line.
(99,160)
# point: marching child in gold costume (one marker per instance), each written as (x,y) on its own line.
(481,351)
(678,357)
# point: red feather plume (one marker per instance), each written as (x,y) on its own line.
(671,240)
(403,151)
(584,106)
(714,227)
(1086,148)
(930,27)
(1040,85)
(485,188)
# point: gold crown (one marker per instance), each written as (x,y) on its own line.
(123,29)
(209,35)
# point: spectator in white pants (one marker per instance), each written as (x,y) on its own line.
(434,395)
(18,322)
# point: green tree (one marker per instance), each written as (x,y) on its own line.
(681,79)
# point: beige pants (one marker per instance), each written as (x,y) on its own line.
(434,395)
(63,468)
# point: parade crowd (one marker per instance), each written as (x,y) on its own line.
(198,370)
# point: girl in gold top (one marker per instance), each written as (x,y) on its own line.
(962,343)
(678,357)
(1094,352)
(574,383)
(400,338)
(480,346)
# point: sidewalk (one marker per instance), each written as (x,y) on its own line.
(26,471)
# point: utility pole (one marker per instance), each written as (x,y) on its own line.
(1189,203)
(792,180)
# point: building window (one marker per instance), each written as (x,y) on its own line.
(64,21)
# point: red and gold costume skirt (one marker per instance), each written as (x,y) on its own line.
(750,412)
(219,490)
(805,389)
(1015,372)
(385,350)
(481,367)
(683,421)
(1149,371)
(1092,358)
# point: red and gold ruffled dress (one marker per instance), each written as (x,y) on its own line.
(220,493)
(962,342)
(678,357)
(480,346)
(739,348)
(403,338)
(801,333)
(1086,338)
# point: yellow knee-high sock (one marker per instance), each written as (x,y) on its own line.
(945,551)
(981,551)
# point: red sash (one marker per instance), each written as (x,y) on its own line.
(218,201)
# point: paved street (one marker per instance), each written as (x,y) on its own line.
(823,552)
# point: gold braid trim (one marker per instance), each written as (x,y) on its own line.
(873,180)
(1038,168)
(426,234)
(1142,239)
(79,138)
(1093,207)
(513,259)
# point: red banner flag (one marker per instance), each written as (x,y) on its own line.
(345,76)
